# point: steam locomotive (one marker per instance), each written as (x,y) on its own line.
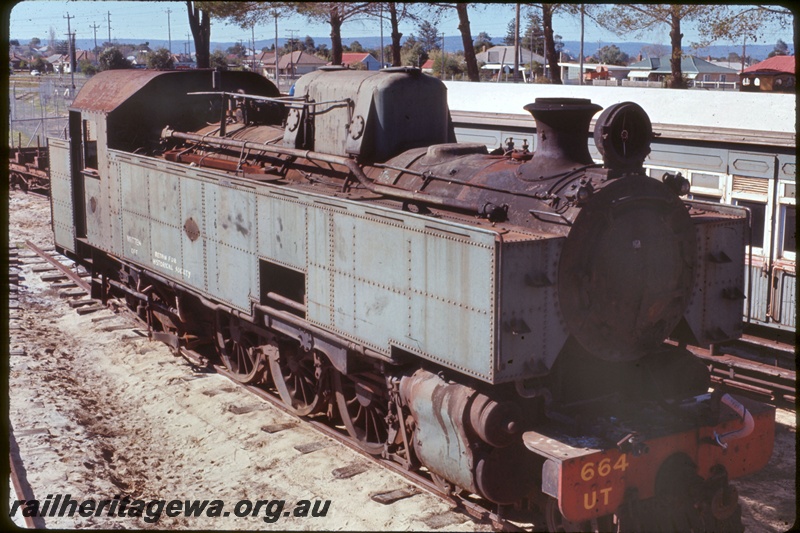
(495,319)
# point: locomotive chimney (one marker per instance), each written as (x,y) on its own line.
(562,130)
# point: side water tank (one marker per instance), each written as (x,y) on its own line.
(373,115)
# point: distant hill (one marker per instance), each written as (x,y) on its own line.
(453,44)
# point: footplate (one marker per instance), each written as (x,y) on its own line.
(590,476)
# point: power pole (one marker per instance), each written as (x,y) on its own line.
(109,26)
(583,12)
(94,52)
(291,52)
(516,46)
(443,56)
(71,50)
(381,37)
(253,36)
(277,77)
(169,32)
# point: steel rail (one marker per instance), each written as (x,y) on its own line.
(19,479)
(472,509)
(60,266)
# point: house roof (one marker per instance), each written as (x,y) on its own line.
(428,64)
(774,63)
(689,65)
(348,58)
(299,58)
(266,57)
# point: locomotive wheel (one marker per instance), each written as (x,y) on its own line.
(298,378)
(239,352)
(363,406)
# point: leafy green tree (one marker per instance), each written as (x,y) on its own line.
(483,39)
(13,42)
(218,60)
(781,49)
(238,50)
(86,66)
(637,18)
(35,42)
(471,62)
(308,45)
(429,36)
(412,53)
(112,59)
(511,32)
(612,55)
(39,64)
(61,47)
(739,23)
(335,14)
(161,59)
(355,46)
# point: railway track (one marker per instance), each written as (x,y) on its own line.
(476,510)
(767,381)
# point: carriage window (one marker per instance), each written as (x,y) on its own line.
(759,213)
(789,230)
(707,181)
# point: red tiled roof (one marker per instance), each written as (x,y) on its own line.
(776,63)
(428,64)
(348,58)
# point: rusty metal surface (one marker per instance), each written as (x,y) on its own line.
(107,90)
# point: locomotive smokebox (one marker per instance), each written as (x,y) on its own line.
(562,131)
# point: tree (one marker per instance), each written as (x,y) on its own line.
(612,55)
(473,74)
(13,42)
(39,64)
(200,24)
(412,53)
(356,47)
(483,39)
(35,42)
(161,59)
(237,50)
(61,47)
(429,36)
(218,60)
(781,49)
(551,54)
(739,23)
(511,33)
(640,17)
(308,45)
(335,14)
(86,66)
(534,33)
(112,59)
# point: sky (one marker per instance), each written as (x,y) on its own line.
(138,21)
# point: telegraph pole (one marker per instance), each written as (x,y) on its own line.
(253,36)
(381,36)
(71,51)
(94,27)
(443,56)
(277,77)
(169,32)
(516,47)
(291,52)
(108,18)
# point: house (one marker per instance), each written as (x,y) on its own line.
(265,64)
(501,59)
(775,74)
(698,71)
(299,63)
(361,61)
(427,67)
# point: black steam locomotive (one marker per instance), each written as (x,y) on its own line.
(497,319)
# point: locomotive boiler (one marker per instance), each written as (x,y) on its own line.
(495,319)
